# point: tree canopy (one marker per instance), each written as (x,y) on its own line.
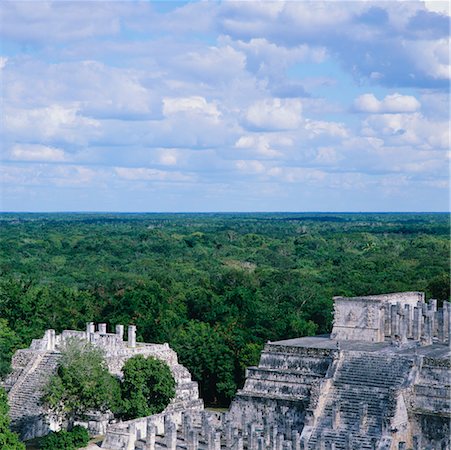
(147,387)
(82,384)
(8,439)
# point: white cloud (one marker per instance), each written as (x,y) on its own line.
(275,114)
(29,152)
(263,145)
(194,105)
(148,174)
(393,103)
(52,122)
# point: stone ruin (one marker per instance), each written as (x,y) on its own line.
(381,380)
(32,368)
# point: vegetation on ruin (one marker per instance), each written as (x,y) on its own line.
(8,439)
(216,287)
(77,438)
(82,383)
(147,387)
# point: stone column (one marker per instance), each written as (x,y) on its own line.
(427,333)
(89,330)
(417,442)
(385,312)
(273,437)
(295,440)
(416,326)
(363,417)
(132,336)
(193,440)
(102,328)
(238,443)
(120,331)
(440,325)
(402,326)
(279,441)
(402,445)
(335,416)
(217,441)
(408,319)
(252,437)
(261,443)
(447,321)
(170,435)
(51,339)
(394,320)
(132,437)
(150,435)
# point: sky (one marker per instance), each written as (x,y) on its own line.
(145,106)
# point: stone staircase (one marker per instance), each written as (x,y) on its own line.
(25,395)
(362,395)
(281,384)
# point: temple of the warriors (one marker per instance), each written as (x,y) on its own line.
(381,380)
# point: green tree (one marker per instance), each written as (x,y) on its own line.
(210,360)
(82,383)
(65,440)
(8,439)
(9,341)
(147,387)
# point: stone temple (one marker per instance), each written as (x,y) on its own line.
(381,380)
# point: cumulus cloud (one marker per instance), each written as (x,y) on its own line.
(393,103)
(274,114)
(148,174)
(30,152)
(193,105)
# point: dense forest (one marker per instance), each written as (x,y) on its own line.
(216,287)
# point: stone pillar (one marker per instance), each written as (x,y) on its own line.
(261,443)
(335,416)
(132,336)
(279,441)
(427,333)
(417,442)
(193,440)
(402,326)
(186,424)
(132,437)
(295,440)
(120,331)
(102,328)
(447,321)
(51,339)
(170,435)
(273,437)
(408,319)
(402,445)
(238,443)
(363,417)
(416,326)
(89,330)
(150,435)
(385,310)
(440,325)
(252,437)
(217,441)
(288,427)
(394,320)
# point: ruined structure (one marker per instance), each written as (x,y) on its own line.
(381,380)
(32,368)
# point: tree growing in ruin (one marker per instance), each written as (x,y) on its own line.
(82,383)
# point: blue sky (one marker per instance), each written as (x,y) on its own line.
(225,106)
